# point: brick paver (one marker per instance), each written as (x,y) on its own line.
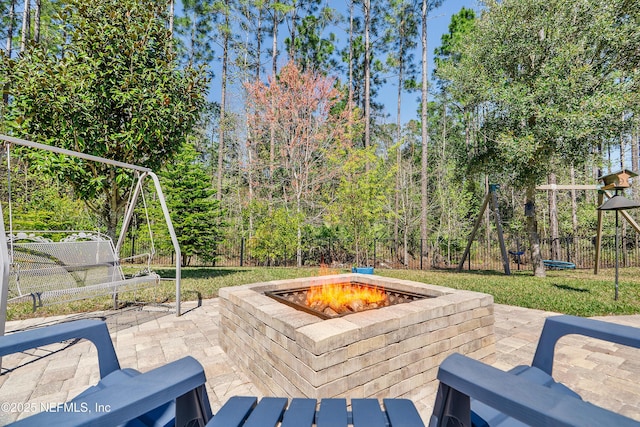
(603,373)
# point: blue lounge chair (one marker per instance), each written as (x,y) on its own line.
(173,394)
(474,394)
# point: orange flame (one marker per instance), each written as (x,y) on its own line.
(343,294)
(324,270)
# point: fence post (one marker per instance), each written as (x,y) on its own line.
(242,252)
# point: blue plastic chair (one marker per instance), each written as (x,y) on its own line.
(173,394)
(474,394)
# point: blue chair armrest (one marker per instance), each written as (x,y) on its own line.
(182,380)
(462,378)
(558,326)
(95,331)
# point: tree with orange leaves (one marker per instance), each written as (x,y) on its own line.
(298,107)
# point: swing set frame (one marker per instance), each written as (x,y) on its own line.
(143,174)
(491,200)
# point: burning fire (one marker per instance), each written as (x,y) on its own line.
(324,270)
(342,298)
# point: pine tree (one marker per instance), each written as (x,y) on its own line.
(195,212)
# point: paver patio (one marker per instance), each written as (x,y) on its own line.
(603,373)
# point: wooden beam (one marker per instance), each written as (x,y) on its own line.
(567,187)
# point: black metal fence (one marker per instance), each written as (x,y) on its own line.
(484,254)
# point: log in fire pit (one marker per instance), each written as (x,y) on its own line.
(339,299)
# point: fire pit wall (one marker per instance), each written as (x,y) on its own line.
(388,352)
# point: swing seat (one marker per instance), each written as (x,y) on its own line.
(80,266)
(558,265)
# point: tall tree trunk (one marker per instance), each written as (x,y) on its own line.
(192,39)
(350,55)
(12,14)
(367,72)
(574,203)
(532,230)
(223,95)
(635,141)
(250,177)
(274,44)
(487,217)
(624,223)
(405,246)
(26,21)
(272,128)
(12,17)
(111,208)
(36,21)
(250,153)
(406,208)
(594,172)
(258,43)
(292,30)
(468,121)
(574,216)
(399,148)
(553,219)
(172,8)
(425,133)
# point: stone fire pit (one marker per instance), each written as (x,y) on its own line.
(392,351)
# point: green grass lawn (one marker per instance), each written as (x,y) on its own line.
(576,292)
